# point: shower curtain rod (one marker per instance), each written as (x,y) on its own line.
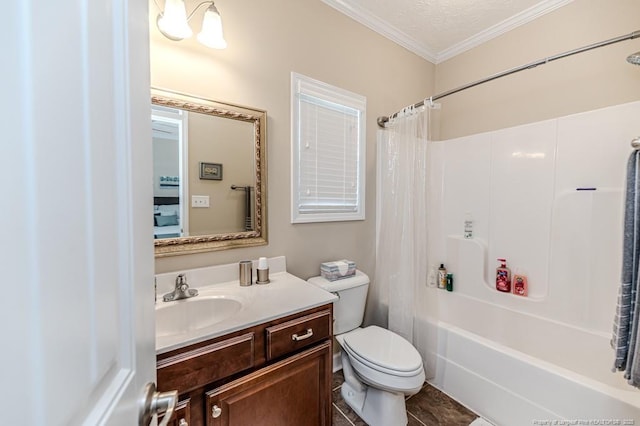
(383,120)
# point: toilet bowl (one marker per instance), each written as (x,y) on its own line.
(380,367)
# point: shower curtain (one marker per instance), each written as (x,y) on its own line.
(401,232)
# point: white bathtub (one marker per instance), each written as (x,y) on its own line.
(527,361)
(524,360)
(557,375)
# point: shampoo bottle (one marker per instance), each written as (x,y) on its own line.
(442,276)
(503,277)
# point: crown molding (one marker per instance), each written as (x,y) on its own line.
(500,28)
(383,28)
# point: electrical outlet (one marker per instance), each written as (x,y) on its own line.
(201,201)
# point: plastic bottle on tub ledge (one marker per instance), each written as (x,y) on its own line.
(432,279)
(442,276)
(503,277)
(519,284)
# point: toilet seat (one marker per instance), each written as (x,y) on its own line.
(383,358)
(383,350)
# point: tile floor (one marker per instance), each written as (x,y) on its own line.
(429,407)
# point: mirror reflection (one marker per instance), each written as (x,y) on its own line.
(168,193)
(208,174)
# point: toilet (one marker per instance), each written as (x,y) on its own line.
(380,367)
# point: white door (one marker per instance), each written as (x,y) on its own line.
(76,249)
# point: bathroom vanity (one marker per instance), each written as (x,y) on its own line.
(269,362)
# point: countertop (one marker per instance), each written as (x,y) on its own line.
(286,294)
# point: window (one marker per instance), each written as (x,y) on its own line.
(328,152)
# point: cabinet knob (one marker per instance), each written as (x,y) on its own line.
(216,411)
(183,422)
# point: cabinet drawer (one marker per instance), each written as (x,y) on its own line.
(198,367)
(298,333)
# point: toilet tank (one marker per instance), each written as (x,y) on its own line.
(348,310)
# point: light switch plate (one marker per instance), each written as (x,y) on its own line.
(201,201)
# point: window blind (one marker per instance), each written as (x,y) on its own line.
(329,145)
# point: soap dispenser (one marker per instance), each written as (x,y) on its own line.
(503,277)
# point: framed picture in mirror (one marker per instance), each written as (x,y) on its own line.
(211,171)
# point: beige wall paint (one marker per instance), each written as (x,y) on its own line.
(268,40)
(230,143)
(583,82)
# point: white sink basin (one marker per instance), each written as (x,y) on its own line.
(187,315)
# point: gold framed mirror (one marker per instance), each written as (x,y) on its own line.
(210,174)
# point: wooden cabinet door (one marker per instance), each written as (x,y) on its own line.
(181,415)
(295,391)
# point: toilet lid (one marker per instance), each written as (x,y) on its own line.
(383,350)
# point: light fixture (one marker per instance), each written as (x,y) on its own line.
(173,23)
(211,33)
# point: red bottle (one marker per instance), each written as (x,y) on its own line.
(503,277)
(520,286)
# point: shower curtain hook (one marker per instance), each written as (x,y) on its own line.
(430,101)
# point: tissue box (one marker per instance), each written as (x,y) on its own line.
(337,270)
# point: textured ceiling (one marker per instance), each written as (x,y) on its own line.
(439,29)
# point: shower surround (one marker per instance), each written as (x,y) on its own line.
(548,197)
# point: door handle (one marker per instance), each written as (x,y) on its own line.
(155,403)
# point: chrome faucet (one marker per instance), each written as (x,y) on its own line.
(182,290)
